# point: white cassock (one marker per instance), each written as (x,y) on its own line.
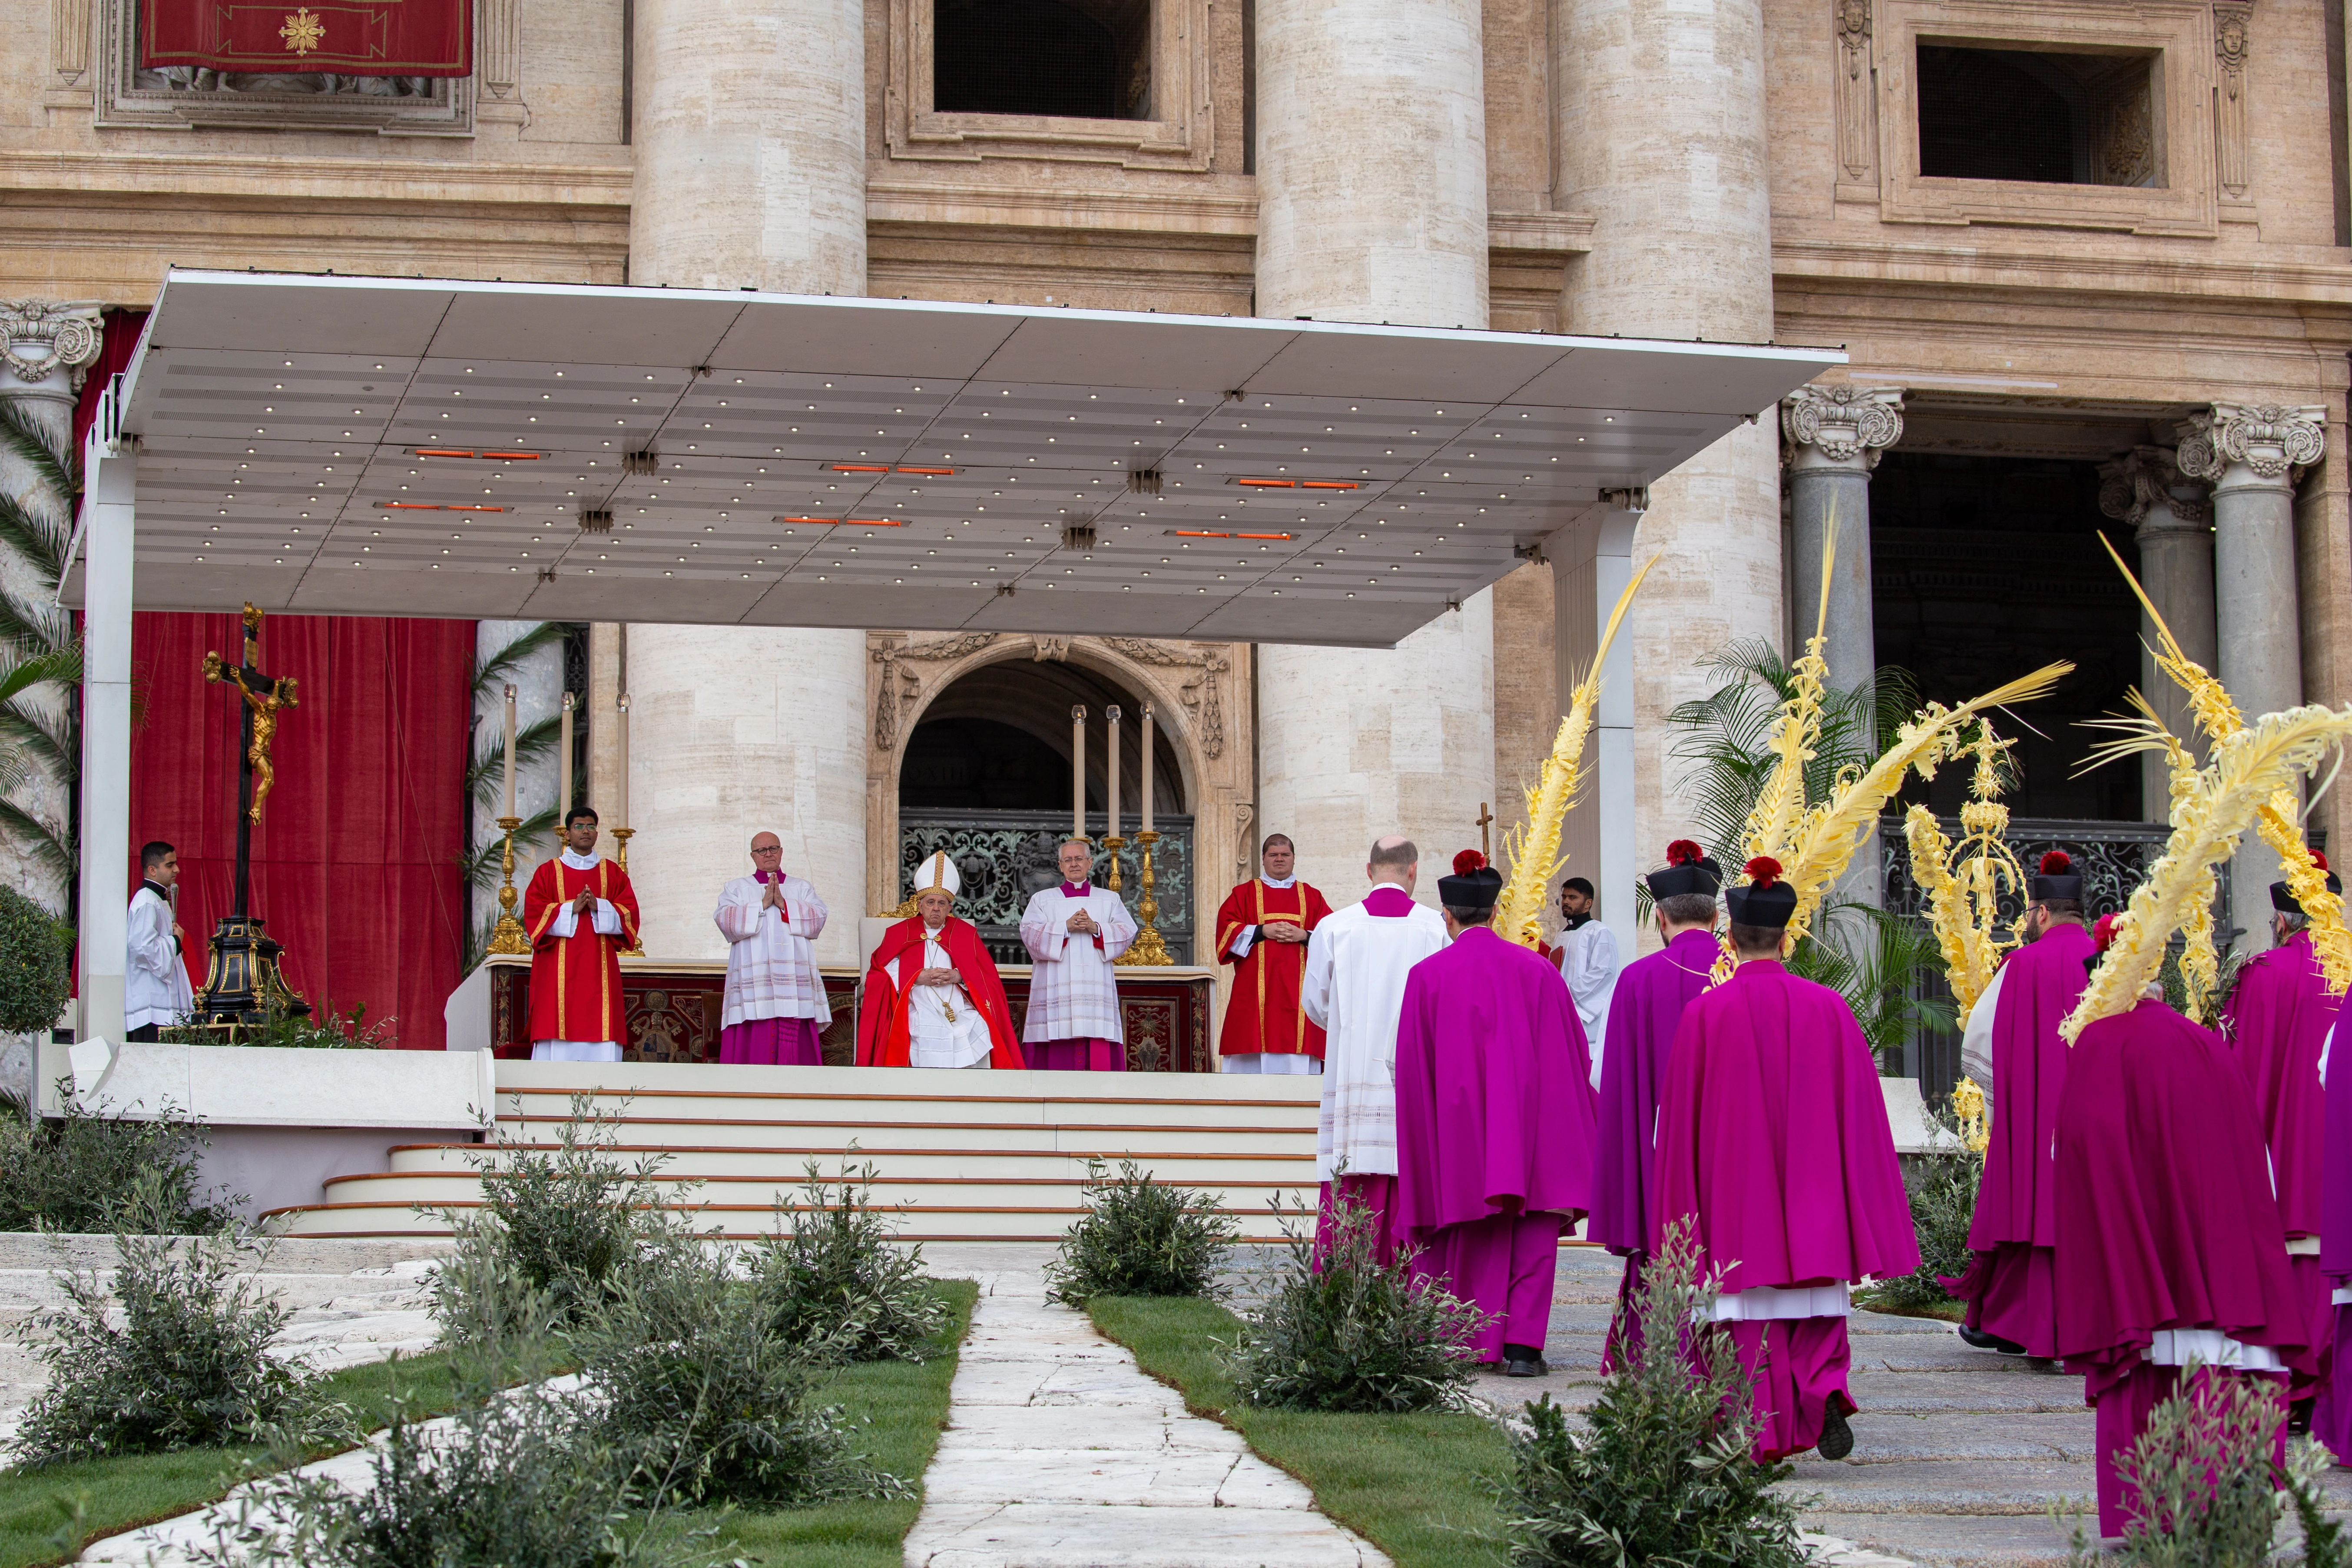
(771,968)
(943,1028)
(154,977)
(1073,995)
(1354,988)
(1976,1040)
(1588,963)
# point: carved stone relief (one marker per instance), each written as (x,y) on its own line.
(2232,20)
(1856,86)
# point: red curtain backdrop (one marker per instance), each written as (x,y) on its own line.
(355,860)
(400,37)
(118,340)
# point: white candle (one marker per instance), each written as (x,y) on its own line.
(509,810)
(1078,770)
(620,785)
(564,778)
(1111,713)
(1147,768)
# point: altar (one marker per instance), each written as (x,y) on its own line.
(674,1011)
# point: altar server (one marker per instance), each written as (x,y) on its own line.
(1588,960)
(1494,1107)
(933,995)
(2171,1249)
(1262,931)
(1772,1138)
(1643,1012)
(2277,1017)
(775,1012)
(581,914)
(1354,987)
(155,992)
(1074,933)
(2012,1048)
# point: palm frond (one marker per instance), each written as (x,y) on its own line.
(51,457)
(36,535)
(30,621)
(49,843)
(23,669)
(492,672)
(485,773)
(485,865)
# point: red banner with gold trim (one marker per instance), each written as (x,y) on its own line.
(356,38)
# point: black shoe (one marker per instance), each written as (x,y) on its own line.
(1837,1437)
(2298,1418)
(1524,1360)
(1976,1339)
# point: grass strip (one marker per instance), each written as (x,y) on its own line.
(902,1407)
(134,1489)
(1420,1487)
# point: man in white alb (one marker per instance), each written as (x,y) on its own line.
(1588,961)
(155,994)
(776,1010)
(1074,933)
(1354,989)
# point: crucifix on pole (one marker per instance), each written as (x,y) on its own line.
(1485,821)
(242,984)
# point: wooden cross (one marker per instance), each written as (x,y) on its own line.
(1486,817)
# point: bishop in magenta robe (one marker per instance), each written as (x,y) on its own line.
(2171,1249)
(2277,1020)
(2012,1277)
(1644,1014)
(1773,1141)
(1494,1104)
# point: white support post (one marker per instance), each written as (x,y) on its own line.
(111,477)
(1593,559)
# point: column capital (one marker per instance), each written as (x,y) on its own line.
(2272,442)
(1841,426)
(39,339)
(2145,488)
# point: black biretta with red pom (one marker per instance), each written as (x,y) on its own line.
(1688,870)
(1763,899)
(2057,877)
(2285,902)
(1474,885)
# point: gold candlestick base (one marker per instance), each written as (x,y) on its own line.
(508,936)
(621,837)
(1147,950)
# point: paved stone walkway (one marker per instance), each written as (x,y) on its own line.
(1060,1453)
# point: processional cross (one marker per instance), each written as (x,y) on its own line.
(241,982)
(1484,819)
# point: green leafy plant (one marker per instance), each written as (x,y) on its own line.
(36,953)
(82,1172)
(1664,1472)
(1139,1237)
(2204,1492)
(1347,1331)
(40,658)
(170,1353)
(836,1282)
(326,1031)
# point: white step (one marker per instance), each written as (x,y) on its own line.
(791,1163)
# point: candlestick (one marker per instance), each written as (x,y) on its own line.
(1147,949)
(508,936)
(564,778)
(1147,769)
(1111,713)
(1078,769)
(509,810)
(621,785)
(621,837)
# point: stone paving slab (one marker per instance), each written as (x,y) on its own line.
(2010,1540)
(1031,1535)
(1882,1438)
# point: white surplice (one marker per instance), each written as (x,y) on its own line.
(1588,963)
(943,1028)
(156,977)
(1976,1040)
(1354,988)
(1073,995)
(772,969)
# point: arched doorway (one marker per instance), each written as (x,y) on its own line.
(986,776)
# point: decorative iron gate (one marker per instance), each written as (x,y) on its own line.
(1005,857)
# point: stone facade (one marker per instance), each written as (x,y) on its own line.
(1745,170)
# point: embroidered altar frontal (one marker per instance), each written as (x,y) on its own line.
(391,37)
(674,1013)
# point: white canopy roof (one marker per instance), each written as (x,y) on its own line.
(388,446)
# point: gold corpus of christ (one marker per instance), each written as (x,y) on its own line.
(244,990)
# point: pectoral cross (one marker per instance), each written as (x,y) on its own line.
(263,699)
(1486,819)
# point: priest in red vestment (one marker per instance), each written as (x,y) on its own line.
(581,914)
(933,995)
(1262,931)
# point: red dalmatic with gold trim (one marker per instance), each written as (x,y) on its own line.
(1263,1014)
(576,981)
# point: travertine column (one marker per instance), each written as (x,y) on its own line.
(2253,455)
(2172,522)
(751,170)
(1832,437)
(1658,121)
(1372,176)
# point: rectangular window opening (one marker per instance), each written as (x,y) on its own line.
(2040,116)
(1079,59)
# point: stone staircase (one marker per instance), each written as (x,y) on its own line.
(968,1156)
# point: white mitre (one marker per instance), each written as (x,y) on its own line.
(937,873)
